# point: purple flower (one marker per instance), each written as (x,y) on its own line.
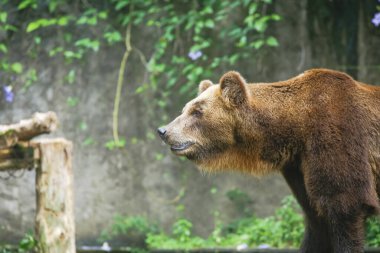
(242,246)
(376,19)
(8,94)
(195,55)
(264,246)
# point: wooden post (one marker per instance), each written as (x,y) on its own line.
(55,229)
(40,123)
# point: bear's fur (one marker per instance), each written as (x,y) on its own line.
(320,129)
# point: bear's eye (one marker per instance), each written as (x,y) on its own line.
(196,113)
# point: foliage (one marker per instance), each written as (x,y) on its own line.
(127,226)
(28,244)
(373,232)
(181,237)
(190,40)
(112,144)
(242,201)
(284,229)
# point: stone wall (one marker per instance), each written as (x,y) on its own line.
(138,180)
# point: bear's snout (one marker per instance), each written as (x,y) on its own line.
(161,132)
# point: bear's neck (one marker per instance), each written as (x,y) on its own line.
(235,160)
(261,145)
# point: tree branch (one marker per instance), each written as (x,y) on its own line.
(40,123)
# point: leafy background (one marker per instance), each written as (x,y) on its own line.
(116,70)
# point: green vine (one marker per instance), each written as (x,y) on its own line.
(187,41)
(120,81)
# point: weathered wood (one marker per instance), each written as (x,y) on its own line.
(40,123)
(55,229)
(17,164)
(20,156)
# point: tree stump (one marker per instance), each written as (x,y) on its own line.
(40,123)
(55,227)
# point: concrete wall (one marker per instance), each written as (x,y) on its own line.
(132,181)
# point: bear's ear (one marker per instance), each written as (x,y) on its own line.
(234,88)
(204,85)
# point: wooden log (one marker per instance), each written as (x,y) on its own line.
(40,123)
(20,156)
(55,229)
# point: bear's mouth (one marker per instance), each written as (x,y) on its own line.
(180,147)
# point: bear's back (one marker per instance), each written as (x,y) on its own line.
(322,101)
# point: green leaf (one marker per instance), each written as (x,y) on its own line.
(27,3)
(48,22)
(55,51)
(83,126)
(52,5)
(88,43)
(31,77)
(257,44)
(92,20)
(4,65)
(72,101)
(252,8)
(113,37)
(209,23)
(9,27)
(141,88)
(272,41)
(134,140)
(103,15)
(69,55)
(151,22)
(82,20)
(125,21)
(214,64)
(150,135)
(233,59)
(114,144)
(161,103)
(207,10)
(189,68)
(70,77)
(88,141)
(3,16)
(242,42)
(27,243)
(121,4)
(63,21)
(260,25)
(186,87)
(37,40)
(159,156)
(17,67)
(33,26)
(3,48)
(276,17)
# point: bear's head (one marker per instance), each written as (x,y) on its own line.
(212,128)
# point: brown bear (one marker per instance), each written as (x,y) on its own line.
(320,130)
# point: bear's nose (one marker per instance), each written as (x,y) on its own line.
(161,132)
